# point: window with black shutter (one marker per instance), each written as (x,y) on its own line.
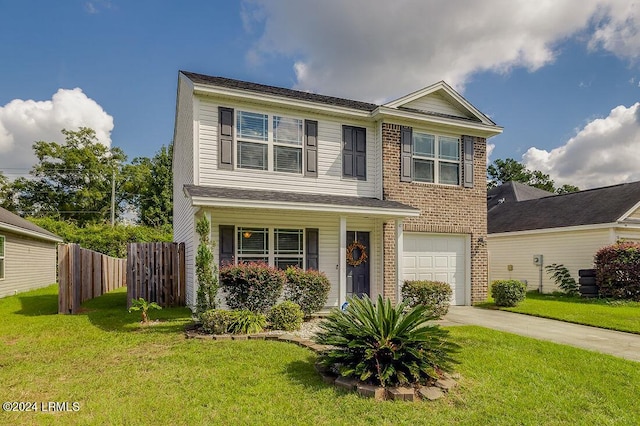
(354,152)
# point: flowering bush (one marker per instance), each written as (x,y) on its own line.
(618,271)
(254,286)
(309,289)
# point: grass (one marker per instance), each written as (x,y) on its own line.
(613,315)
(123,373)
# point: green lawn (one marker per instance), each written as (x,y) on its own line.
(122,373)
(614,315)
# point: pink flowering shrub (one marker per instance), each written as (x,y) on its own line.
(618,271)
(254,286)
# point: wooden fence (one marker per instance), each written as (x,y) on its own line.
(84,274)
(156,272)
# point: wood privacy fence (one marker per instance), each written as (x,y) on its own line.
(156,272)
(84,274)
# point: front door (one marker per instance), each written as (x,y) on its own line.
(358,259)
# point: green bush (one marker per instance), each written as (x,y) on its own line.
(217,321)
(508,292)
(384,344)
(618,271)
(245,322)
(285,316)
(435,295)
(309,289)
(254,286)
(563,279)
(206,270)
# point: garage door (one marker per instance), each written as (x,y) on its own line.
(436,258)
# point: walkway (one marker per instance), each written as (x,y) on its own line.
(623,345)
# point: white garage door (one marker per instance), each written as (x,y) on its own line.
(436,258)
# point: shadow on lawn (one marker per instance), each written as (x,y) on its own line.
(305,374)
(38,304)
(109,312)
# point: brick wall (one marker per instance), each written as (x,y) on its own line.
(444,209)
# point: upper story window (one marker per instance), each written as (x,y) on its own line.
(354,152)
(269,142)
(436,159)
(2,241)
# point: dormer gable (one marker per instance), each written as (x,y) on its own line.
(442,100)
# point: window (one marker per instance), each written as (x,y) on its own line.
(436,159)
(287,249)
(2,240)
(265,144)
(354,152)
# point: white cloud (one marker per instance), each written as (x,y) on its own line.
(23,122)
(379,50)
(490,148)
(604,152)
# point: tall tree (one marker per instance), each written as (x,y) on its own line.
(6,197)
(501,171)
(149,183)
(72,180)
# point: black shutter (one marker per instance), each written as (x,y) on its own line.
(313,248)
(406,151)
(311,148)
(468,161)
(225,138)
(227,244)
(347,151)
(360,166)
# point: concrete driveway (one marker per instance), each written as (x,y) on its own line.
(623,345)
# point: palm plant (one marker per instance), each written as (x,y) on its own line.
(384,344)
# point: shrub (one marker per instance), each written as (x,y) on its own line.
(618,271)
(309,289)
(217,321)
(563,279)
(435,295)
(245,322)
(143,306)
(508,292)
(206,270)
(254,286)
(385,345)
(285,316)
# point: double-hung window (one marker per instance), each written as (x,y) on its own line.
(286,250)
(269,142)
(2,241)
(436,159)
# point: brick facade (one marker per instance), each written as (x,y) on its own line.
(444,209)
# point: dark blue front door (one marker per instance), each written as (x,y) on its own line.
(358,276)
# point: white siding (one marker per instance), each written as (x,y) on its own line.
(435,102)
(29,264)
(329,180)
(573,249)
(183,173)
(328,226)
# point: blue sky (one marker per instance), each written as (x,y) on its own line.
(561,78)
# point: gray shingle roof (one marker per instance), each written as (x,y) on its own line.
(278,91)
(15,221)
(295,197)
(593,206)
(511,192)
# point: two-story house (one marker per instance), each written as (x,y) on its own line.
(369,194)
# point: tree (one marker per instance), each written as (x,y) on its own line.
(510,170)
(5,193)
(149,185)
(72,180)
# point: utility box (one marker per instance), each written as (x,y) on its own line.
(537,259)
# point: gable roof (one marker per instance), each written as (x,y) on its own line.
(13,223)
(510,192)
(593,206)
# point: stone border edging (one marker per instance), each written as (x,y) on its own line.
(379,393)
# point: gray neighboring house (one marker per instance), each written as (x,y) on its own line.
(567,229)
(27,255)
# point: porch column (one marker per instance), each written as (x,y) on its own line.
(342,262)
(399,255)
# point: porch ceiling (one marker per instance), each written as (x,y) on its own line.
(213,196)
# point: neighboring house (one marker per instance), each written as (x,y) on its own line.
(295,178)
(510,192)
(27,255)
(567,229)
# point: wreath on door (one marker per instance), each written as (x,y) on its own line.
(351,260)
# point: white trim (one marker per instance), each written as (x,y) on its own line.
(290,205)
(34,234)
(399,258)
(467,270)
(3,258)
(196,141)
(631,210)
(559,229)
(342,262)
